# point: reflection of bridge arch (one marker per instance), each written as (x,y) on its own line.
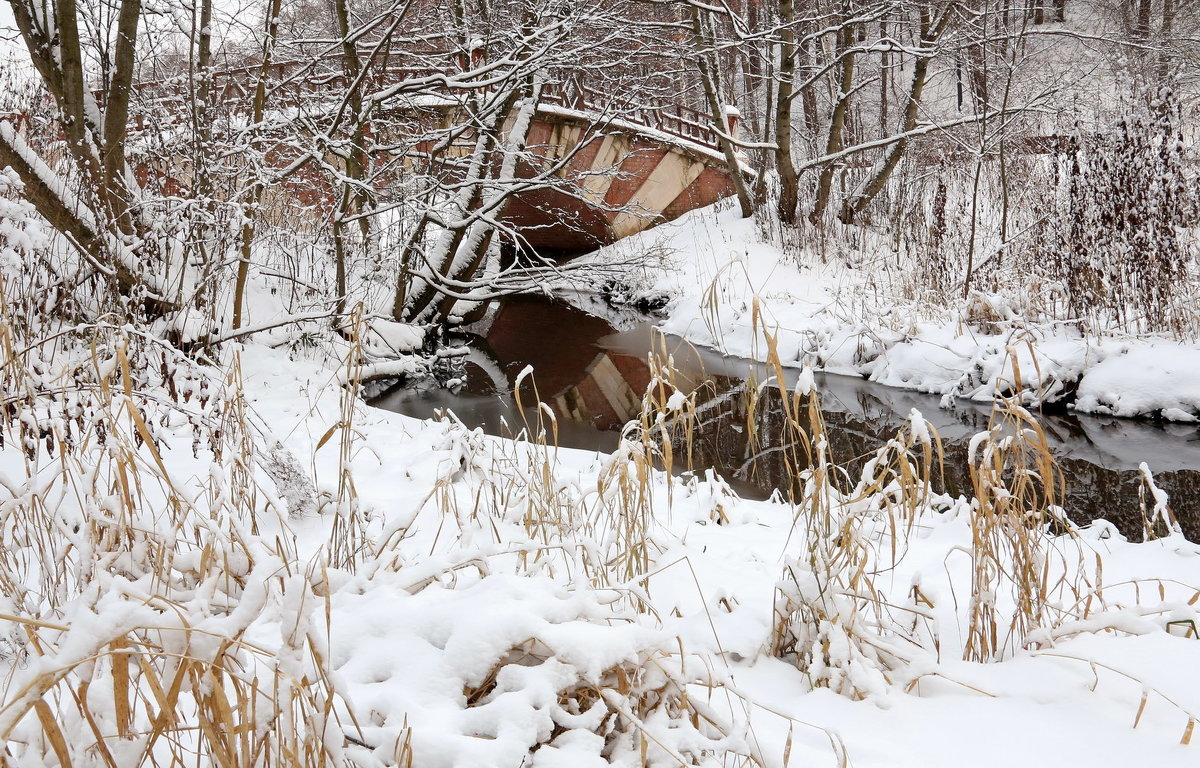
(490,367)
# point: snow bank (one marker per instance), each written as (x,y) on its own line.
(721,277)
(1147,378)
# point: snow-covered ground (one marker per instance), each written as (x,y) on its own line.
(726,284)
(472,602)
(248,561)
(447,589)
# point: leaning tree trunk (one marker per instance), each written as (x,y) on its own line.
(857,202)
(461,247)
(837,121)
(710,78)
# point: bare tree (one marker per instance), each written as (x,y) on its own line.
(708,68)
(97,214)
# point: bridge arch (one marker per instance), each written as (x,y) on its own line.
(626,178)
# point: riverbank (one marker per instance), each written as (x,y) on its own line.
(509,605)
(252,550)
(720,282)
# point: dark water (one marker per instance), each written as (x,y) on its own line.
(593,376)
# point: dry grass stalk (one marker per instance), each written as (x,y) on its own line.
(347,539)
(1017,490)
(128,583)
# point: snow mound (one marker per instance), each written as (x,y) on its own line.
(1156,379)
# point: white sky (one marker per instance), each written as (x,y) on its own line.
(9,46)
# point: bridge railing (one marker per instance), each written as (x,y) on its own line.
(293,83)
(675,120)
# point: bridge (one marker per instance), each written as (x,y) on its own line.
(630,166)
(638,168)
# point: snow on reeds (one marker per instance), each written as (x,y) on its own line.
(178,587)
(133,578)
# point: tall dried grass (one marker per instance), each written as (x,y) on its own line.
(128,592)
(1015,512)
(128,587)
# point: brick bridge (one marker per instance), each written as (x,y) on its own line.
(635,171)
(631,166)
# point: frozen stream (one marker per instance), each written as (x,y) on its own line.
(593,371)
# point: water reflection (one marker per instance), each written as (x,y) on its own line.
(593,378)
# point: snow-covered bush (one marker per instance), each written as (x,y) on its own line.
(1126,250)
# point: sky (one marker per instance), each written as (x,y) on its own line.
(11,49)
(7,29)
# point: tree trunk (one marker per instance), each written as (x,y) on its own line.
(95,215)
(116,114)
(354,199)
(710,79)
(837,121)
(808,97)
(789,180)
(1141,23)
(885,81)
(1164,55)
(254,195)
(930,33)
(447,260)
(202,147)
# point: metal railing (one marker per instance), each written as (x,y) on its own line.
(674,120)
(293,83)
